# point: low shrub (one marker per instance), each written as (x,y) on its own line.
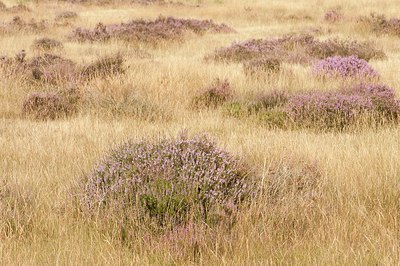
(17,24)
(104,66)
(336,47)
(338,66)
(219,92)
(327,109)
(379,24)
(339,109)
(40,105)
(47,44)
(333,16)
(261,65)
(300,48)
(162,28)
(167,182)
(66,15)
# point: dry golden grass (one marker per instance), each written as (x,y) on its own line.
(355,220)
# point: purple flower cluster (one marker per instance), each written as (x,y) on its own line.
(302,48)
(338,66)
(340,108)
(163,28)
(383,98)
(168,179)
(328,109)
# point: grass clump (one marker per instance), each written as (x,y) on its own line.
(214,95)
(47,44)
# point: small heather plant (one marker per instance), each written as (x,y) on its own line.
(2,6)
(47,44)
(333,16)
(379,24)
(66,15)
(104,66)
(17,24)
(168,182)
(350,66)
(219,92)
(43,106)
(261,65)
(162,28)
(336,47)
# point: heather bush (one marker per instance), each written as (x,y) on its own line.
(47,44)
(216,94)
(162,28)
(66,15)
(104,66)
(17,24)
(382,97)
(2,6)
(167,182)
(336,47)
(333,16)
(379,24)
(300,48)
(49,68)
(40,105)
(338,66)
(261,65)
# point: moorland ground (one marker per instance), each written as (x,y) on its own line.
(354,219)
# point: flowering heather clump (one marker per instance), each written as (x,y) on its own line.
(47,44)
(302,48)
(261,65)
(383,98)
(169,181)
(333,16)
(219,92)
(105,66)
(50,68)
(2,6)
(338,66)
(327,109)
(149,31)
(336,47)
(380,25)
(41,105)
